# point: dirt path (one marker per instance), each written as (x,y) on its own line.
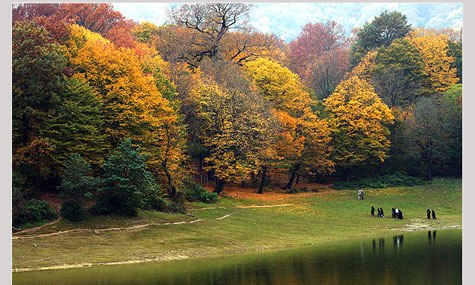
(38,228)
(265,206)
(98,231)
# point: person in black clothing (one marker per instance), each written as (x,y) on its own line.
(382,212)
(399,214)
(379,212)
(428,214)
(433,215)
(393,213)
(372,211)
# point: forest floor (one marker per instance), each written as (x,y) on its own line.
(241,221)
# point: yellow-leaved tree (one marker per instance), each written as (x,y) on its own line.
(303,144)
(234,128)
(359,120)
(433,48)
(364,70)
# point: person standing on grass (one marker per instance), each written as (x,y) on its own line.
(433,215)
(372,211)
(382,213)
(428,214)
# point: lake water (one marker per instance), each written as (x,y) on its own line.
(430,257)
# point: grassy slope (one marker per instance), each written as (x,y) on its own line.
(314,218)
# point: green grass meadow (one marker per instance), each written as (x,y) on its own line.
(234,225)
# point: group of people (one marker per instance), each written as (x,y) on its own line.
(429,212)
(380,212)
(396,213)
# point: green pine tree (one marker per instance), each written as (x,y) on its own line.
(127,183)
(76,185)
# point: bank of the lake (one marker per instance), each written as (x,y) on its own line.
(240,222)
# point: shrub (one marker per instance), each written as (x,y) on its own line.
(34,211)
(391,180)
(73,211)
(194,192)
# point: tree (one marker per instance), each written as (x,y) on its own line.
(424,133)
(76,185)
(173,43)
(43,14)
(326,72)
(279,85)
(435,133)
(314,41)
(210,22)
(75,124)
(97,17)
(146,32)
(171,134)
(359,121)
(433,49)
(133,105)
(121,34)
(303,143)
(455,51)
(382,31)
(451,114)
(126,181)
(37,76)
(234,128)
(399,153)
(365,68)
(248,45)
(34,55)
(399,74)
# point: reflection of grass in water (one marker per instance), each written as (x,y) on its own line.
(316,218)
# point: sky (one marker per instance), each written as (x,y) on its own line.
(286,19)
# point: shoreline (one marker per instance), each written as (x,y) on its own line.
(409,228)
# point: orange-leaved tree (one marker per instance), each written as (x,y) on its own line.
(133,105)
(304,141)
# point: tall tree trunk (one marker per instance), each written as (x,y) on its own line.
(171,187)
(172,191)
(429,170)
(292,177)
(348,174)
(219,186)
(263,179)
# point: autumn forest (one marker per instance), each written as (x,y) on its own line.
(111,116)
